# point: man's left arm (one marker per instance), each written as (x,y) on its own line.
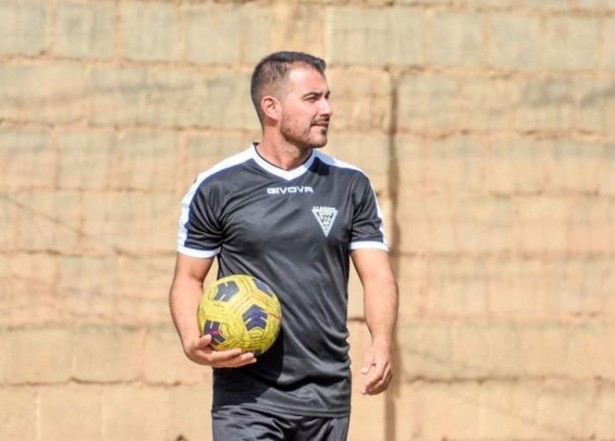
(381,303)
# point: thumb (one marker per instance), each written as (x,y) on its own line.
(367,364)
(203,341)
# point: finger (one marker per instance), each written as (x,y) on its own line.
(371,381)
(376,372)
(204,341)
(207,356)
(377,378)
(373,388)
(232,358)
(380,384)
(242,360)
(226,355)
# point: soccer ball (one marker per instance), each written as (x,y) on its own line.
(240,311)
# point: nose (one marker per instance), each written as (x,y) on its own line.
(325,107)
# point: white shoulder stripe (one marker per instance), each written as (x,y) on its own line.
(229,162)
(334,162)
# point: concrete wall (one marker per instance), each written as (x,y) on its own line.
(486,126)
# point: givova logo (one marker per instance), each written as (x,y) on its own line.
(290,190)
(325,217)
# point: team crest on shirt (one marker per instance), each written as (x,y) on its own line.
(325,217)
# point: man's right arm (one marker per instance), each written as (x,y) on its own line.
(184,297)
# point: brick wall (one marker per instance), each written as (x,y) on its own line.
(486,126)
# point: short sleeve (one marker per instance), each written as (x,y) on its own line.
(367,223)
(200,234)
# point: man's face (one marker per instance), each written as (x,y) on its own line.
(305,108)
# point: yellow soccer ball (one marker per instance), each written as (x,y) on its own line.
(240,311)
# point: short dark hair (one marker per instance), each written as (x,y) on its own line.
(273,70)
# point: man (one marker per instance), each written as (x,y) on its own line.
(292,217)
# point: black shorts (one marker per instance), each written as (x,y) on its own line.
(236,423)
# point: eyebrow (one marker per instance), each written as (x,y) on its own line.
(326,94)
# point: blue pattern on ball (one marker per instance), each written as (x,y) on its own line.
(226,291)
(213,328)
(255,317)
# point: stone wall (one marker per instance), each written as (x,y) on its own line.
(487,129)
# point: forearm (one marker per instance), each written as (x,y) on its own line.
(381,300)
(381,304)
(185,295)
(184,298)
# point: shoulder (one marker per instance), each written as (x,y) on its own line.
(345,171)
(211,181)
(339,164)
(226,165)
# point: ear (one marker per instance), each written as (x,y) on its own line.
(271,107)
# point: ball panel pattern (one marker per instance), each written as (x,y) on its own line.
(240,311)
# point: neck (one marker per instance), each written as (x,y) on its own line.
(283,155)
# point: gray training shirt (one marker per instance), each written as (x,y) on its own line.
(294,230)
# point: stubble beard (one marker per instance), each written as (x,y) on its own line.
(307,140)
